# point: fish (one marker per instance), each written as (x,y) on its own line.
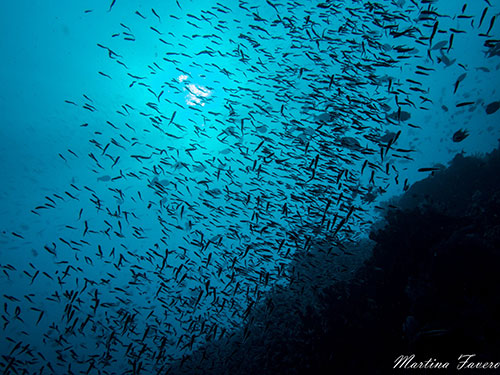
(459,79)
(492,107)
(428,169)
(460,135)
(104,75)
(434,30)
(111,5)
(156,14)
(483,14)
(463,104)
(492,22)
(247,139)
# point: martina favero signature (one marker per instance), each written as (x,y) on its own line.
(464,362)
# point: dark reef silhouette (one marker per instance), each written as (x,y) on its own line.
(429,288)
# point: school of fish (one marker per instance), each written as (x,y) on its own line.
(259,130)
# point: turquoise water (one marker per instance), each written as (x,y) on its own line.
(162,162)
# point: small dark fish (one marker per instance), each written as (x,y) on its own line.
(71,152)
(39,317)
(459,79)
(172,118)
(331,82)
(260,144)
(155,30)
(104,75)
(464,104)
(428,169)
(492,22)
(111,6)
(156,14)
(434,29)
(482,17)
(460,135)
(492,107)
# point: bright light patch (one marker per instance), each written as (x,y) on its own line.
(182,77)
(196,94)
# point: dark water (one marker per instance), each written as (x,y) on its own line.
(236,187)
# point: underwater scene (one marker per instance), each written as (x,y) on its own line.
(249,187)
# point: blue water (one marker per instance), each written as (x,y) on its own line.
(161,154)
